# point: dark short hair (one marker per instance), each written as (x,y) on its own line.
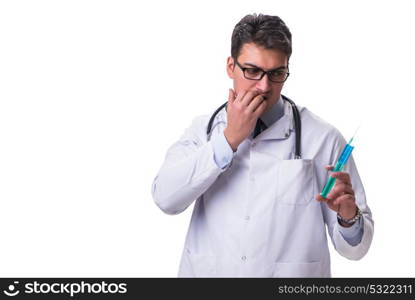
(267,31)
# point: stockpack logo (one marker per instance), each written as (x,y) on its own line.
(12,289)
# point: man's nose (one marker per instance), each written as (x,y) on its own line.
(264,84)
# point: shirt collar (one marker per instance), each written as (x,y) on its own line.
(275,113)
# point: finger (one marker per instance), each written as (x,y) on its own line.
(329,167)
(342,200)
(256,103)
(342,176)
(330,203)
(261,108)
(343,188)
(239,96)
(248,97)
(231,96)
(321,198)
(339,190)
(336,193)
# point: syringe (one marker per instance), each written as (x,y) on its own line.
(347,151)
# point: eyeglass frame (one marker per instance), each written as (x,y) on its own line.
(263,72)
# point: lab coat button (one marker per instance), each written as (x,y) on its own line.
(243,258)
(247,218)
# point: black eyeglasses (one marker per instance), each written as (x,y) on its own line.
(278,75)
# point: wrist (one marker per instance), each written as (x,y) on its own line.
(347,222)
(233,143)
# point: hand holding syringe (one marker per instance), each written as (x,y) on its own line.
(341,198)
(347,151)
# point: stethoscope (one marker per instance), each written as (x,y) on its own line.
(297,124)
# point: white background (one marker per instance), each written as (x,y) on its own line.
(92,93)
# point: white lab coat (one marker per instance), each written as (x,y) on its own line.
(258,217)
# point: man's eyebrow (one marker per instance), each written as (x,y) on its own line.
(255,66)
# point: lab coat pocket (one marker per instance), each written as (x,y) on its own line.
(295,184)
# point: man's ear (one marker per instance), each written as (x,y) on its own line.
(230,66)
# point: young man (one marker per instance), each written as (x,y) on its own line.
(258,212)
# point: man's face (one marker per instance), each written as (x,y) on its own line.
(252,56)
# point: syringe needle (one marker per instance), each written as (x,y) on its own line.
(354,133)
